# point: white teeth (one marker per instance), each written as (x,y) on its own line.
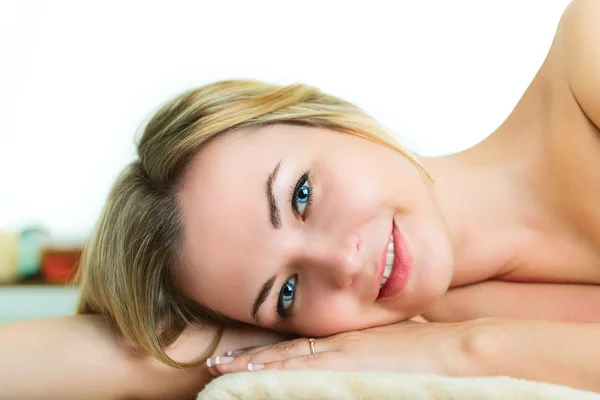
(389,259)
(386,274)
(389,262)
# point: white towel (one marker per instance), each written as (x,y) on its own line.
(312,384)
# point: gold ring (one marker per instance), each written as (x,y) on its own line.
(311,343)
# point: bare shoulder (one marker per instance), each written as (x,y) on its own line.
(578,39)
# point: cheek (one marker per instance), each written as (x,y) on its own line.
(354,192)
(370,178)
(330,315)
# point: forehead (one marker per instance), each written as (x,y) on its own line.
(227,230)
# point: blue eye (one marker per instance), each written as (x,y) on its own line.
(301,195)
(286,297)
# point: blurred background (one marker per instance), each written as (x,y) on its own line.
(78,79)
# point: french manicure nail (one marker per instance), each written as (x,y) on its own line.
(234,352)
(218,360)
(255,367)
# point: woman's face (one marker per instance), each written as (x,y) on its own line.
(288,228)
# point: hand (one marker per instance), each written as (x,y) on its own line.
(439,348)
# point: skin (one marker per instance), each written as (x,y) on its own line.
(516,208)
(526,244)
(334,248)
(516,228)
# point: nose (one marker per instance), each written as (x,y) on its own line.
(339,261)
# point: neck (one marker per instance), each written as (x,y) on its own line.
(485,194)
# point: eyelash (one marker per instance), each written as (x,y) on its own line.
(294,189)
(280,311)
(283,314)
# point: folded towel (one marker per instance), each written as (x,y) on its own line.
(311,384)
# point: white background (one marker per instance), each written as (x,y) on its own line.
(77,78)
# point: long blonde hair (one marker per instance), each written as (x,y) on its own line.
(127,268)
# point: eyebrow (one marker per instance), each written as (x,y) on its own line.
(274,213)
(275,217)
(262,296)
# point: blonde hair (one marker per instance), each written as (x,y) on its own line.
(127,268)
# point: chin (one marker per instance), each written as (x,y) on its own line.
(431,251)
(432,268)
(428,283)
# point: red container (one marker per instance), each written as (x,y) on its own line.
(59,265)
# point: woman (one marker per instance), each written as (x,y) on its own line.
(256,212)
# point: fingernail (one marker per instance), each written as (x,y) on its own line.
(234,352)
(218,360)
(255,367)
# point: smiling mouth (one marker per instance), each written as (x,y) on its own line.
(397,267)
(389,262)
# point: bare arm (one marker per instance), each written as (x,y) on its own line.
(564,353)
(563,302)
(79,357)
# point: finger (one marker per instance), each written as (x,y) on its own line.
(214,372)
(275,352)
(256,349)
(211,365)
(326,360)
(237,352)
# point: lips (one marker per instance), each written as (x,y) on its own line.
(401,267)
